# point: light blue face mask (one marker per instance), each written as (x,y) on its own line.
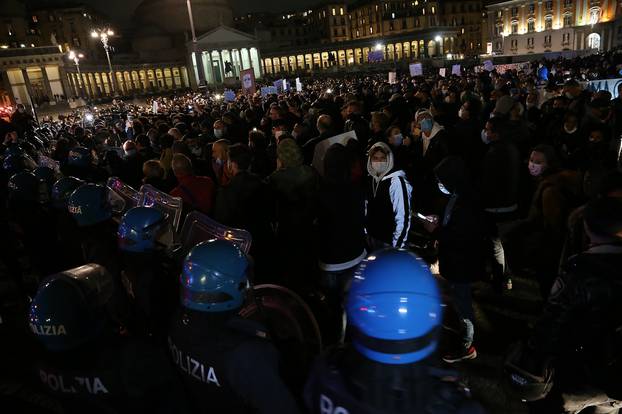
(398,139)
(427,124)
(442,189)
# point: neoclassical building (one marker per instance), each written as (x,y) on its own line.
(521,27)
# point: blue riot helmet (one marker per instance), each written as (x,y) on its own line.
(214,277)
(24,186)
(62,189)
(80,157)
(13,149)
(47,177)
(17,163)
(141,229)
(68,309)
(394,308)
(90,204)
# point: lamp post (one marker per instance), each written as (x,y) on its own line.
(198,58)
(76,59)
(103,35)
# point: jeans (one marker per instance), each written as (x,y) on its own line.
(461,293)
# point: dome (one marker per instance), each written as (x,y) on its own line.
(172,15)
(151,38)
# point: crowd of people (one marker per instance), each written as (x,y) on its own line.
(339,185)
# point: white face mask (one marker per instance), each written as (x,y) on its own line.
(442,189)
(218,133)
(484,137)
(535,169)
(277,134)
(570,131)
(461,113)
(379,167)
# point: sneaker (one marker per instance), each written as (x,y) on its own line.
(470,353)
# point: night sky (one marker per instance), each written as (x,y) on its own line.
(120,11)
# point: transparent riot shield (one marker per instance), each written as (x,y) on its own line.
(198,227)
(291,326)
(150,196)
(124,192)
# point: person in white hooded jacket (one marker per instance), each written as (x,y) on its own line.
(388,200)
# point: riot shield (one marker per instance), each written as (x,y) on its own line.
(291,326)
(150,196)
(124,192)
(198,227)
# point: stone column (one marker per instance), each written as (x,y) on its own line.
(28,85)
(46,84)
(222,66)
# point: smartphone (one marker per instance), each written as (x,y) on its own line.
(425,218)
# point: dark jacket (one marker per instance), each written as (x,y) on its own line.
(581,319)
(341,219)
(308,149)
(461,233)
(500,175)
(243,204)
(388,204)
(424,163)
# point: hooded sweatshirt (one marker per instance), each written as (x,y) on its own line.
(388,202)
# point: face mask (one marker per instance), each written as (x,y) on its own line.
(398,139)
(218,133)
(442,189)
(461,113)
(447,99)
(21,110)
(295,134)
(535,169)
(129,153)
(277,134)
(219,162)
(569,95)
(380,167)
(427,124)
(195,150)
(570,131)
(484,137)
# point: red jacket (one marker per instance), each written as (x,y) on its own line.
(196,192)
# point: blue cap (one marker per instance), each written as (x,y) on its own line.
(140,228)
(394,308)
(214,277)
(89,205)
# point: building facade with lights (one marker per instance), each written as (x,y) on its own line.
(521,27)
(343,34)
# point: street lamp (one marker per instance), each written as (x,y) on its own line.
(76,59)
(198,58)
(103,35)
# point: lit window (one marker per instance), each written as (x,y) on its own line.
(371,30)
(567,20)
(341,11)
(35,19)
(514,27)
(393,15)
(531,26)
(548,22)
(433,9)
(334,12)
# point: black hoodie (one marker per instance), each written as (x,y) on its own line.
(461,232)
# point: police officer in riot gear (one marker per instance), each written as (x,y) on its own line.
(580,330)
(84,362)
(90,207)
(394,315)
(226,362)
(66,228)
(143,235)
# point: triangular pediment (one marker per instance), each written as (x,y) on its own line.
(224,35)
